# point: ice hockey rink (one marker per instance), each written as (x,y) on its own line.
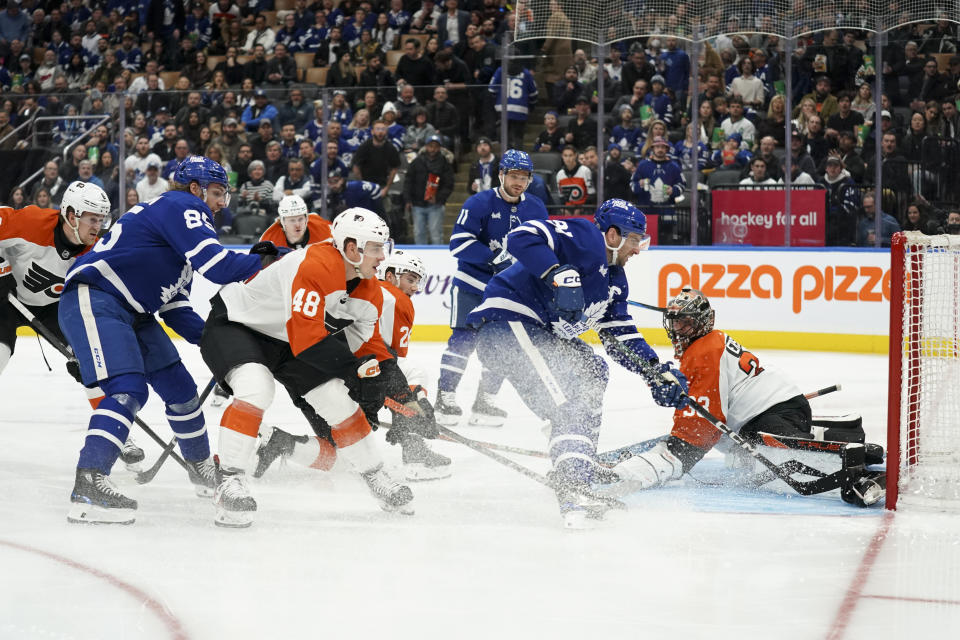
(484,556)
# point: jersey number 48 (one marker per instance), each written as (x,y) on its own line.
(306,302)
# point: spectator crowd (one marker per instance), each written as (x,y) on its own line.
(414,86)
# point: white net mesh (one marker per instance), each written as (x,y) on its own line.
(606,21)
(930,402)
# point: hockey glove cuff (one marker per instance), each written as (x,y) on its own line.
(567,292)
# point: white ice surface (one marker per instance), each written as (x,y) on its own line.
(484,556)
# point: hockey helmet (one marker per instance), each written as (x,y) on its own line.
(292,206)
(362,226)
(85,197)
(201,170)
(403,261)
(686,318)
(516,160)
(626,218)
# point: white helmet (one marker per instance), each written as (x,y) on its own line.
(292,206)
(361,225)
(402,261)
(85,197)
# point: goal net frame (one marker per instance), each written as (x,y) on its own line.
(923,412)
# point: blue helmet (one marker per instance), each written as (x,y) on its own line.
(514,159)
(202,170)
(621,214)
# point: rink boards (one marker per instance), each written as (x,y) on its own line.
(808,299)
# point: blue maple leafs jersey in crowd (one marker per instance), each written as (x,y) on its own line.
(649,179)
(479,232)
(148,258)
(519,293)
(521,96)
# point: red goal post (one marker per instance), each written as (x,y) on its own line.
(923,413)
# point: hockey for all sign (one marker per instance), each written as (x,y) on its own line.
(755,217)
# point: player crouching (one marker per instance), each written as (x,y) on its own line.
(273,327)
(759,402)
(413,416)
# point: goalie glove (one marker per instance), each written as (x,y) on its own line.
(649,469)
(669,388)
(567,292)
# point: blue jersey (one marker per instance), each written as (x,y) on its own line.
(362,193)
(131,60)
(480,231)
(521,294)
(395,135)
(148,258)
(650,179)
(521,94)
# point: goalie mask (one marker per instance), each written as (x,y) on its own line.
(687,317)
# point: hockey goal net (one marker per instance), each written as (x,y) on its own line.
(923,439)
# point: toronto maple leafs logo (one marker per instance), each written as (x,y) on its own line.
(495,246)
(168,293)
(495,215)
(603,270)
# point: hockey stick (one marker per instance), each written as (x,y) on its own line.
(144,477)
(782,472)
(644,305)
(67,353)
(542,479)
(822,392)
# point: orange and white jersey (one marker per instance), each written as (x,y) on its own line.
(731,383)
(318,230)
(30,249)
(396,321)
(292,298)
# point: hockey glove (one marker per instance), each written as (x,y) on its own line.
(670,387)
(8,284)
(370,388)
(268,252)
(421,419)
(73,368)
(567,292)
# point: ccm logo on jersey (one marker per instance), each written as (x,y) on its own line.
(807,282)
(38,279)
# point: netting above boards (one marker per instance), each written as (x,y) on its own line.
(607,21)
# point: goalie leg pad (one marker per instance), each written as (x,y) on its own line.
(648,470)
(843,428)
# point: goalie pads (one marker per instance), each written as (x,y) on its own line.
(649,470)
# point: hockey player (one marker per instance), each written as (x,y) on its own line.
(37,247)
(757,401)
(568,275)
(295,226)
(107,314)
(402,274)
(478,237)
(276,327)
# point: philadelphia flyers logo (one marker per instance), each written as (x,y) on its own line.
(37,279)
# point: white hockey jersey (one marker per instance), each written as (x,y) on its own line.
(33,248)
(296,298)
(730,382)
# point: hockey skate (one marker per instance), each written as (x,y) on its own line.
(392,496)
(279,444)
(485,412)
(131,455)
(419,462)
(219,396)
(578,509)
(203,475)
(446,410)
(95,499)
(235,506)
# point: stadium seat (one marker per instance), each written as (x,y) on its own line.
(249,226)
(284,5)
(724,177)
(227,239)
(317,75)
(393,57)
(169,78)
(270,17)
(213,61)
(547,162)
(304,59)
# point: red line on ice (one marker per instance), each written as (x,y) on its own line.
(908,599)
(170,621)
(855,590)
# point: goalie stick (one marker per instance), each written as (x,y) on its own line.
(782,472)
(67,353)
